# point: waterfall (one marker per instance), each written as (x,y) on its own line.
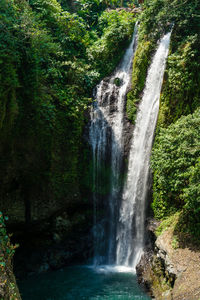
(119,208)
(130,232)
(106,139)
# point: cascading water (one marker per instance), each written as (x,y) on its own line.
(119,211)
(130,233)
(106,139)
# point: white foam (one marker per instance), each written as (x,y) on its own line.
(113,269)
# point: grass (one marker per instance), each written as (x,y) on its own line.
(170,222)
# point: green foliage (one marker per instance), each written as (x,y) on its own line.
(181,85)
(191,193)
(175,159)
(6,248)
(175,162)
(148,34)
(47,73)
(140,66)
(116,29)
(117,81)
(8,288)
(181,91)
(175,242)
(167,223)
(90,10)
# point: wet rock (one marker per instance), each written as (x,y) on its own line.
(43,268)
(143,270)
(128,133)
(60,241)
(118,81)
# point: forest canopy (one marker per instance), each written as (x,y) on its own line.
(52,54)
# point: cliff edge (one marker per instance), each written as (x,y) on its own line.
(171,271)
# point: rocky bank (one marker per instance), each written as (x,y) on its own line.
(171,269)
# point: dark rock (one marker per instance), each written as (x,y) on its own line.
(58,242)
(118,81)
(128,133)
(144,267)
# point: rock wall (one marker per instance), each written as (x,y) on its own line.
(59,240)
(170,271)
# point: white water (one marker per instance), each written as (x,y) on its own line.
(119,211)
(131,224)
(106,138)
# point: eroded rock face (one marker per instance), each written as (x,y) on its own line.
(154,275)
(60,240)
(110,100)
(170,273)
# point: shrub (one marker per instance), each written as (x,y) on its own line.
(175,162)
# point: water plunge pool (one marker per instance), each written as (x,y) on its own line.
(80,282)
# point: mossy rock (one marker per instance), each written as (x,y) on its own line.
(117,81)
(141,63)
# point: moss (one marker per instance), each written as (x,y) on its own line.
(175,162)
(175,242)
(182,235)
(180,96)
(8,287)
(117,81)
(169,222)
(141,63)
(181,89)
(158,278)
(46,80)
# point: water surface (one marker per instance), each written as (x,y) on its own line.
(73,283)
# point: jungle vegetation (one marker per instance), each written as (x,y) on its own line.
(52,54)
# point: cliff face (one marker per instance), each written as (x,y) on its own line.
(171,269)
